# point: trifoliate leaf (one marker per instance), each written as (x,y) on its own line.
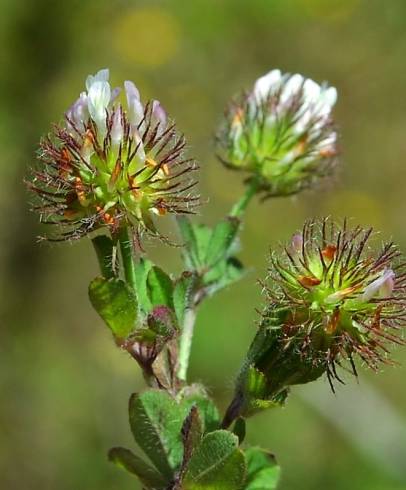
(116,303)
(203,236)
(159,287)
(223,274)
(183,294)
(189,242)
(196,238)
(216,464)
(129,461)
(221,240)
(263,471)
(209,415)
(192,432)
(156,421)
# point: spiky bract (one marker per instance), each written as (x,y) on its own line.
(338,298)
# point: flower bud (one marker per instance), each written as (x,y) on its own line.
(281,132)
(112,165)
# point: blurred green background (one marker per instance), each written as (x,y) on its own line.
(64,387)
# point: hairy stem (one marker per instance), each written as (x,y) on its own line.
(185,343)
(127,255)
(104,251)
(241,205)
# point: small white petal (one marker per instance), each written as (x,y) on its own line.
(101,76)
(329,96)
(116,129)
(292,87)
(311,91)
(267,83)
(98,100)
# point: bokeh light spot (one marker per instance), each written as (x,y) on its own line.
(148,36)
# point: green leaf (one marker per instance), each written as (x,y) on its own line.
(159,287)
(156,421)
(162,321)
(263,471)
(256,396)
(142,269)
(223,274)
(189,242)
(208,412)
(221,240)
(256,383)
(183,294)
(196,395)
(162,327)
(192,433)
(116,303)
(148,476)
(203,235)
(216,464)
(196,239)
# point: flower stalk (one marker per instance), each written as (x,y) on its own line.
(185,343)
(127,255)
(252,188)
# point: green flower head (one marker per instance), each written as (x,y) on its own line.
(110,164)
(331,297)
(281,133)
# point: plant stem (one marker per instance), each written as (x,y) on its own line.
(240,206)
(185,343)
(103,246)
(127,255)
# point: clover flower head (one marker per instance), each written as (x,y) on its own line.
(281,132)
(112,164)
(336,298)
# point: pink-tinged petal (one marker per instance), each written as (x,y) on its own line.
(131,91)
(381,286)
(388,285)
(114,94)
(78,113)
(159,116)
(135,107)
(297,243)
